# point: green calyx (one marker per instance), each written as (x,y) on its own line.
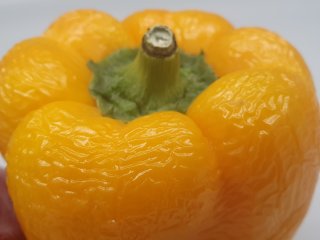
(157,77)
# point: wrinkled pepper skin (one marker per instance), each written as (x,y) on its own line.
(267,152)
(93,34)
(101,179)
(242,163)
(36,72)
(193,29)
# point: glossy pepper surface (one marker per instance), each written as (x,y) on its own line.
(227,149)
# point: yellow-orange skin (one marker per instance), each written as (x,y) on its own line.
(194,30)
(93,34)
(240,164)
(36,72)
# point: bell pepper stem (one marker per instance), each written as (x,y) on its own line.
(157,66)
(156,77)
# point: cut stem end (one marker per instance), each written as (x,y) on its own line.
(159,42)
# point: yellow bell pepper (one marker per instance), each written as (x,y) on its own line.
(201,132)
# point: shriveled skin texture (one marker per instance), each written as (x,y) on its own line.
(26,84)
(193,29)
(80,176)
(35,72)
(250,48)
(93,34)
(156,178)
(84,176)
(265,132)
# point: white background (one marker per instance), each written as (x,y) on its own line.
(296,20)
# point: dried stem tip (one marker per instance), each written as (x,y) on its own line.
(159,42)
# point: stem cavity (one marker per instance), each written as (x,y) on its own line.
(156,77)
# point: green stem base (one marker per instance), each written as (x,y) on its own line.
(129,83)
